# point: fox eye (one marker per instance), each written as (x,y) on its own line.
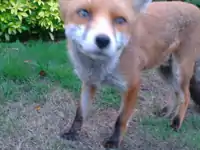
(120,20)
(83,13)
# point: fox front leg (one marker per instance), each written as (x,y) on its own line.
(129,102)
(87,95)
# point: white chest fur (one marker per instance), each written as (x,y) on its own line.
(97,72)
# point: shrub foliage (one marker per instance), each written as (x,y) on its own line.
(33,17)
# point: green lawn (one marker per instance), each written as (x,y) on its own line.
(20,67)
(187,136)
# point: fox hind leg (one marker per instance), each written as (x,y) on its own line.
(166,73)
(183,94)
(178,75)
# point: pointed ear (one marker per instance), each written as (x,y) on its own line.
(141,5)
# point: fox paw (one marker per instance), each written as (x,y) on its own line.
(111,144)
(70,136)
(176,123)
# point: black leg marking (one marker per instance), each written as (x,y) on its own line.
(72,134)
(176,123)
(114,140)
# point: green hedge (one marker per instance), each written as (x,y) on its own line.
(27,19)
(30,18)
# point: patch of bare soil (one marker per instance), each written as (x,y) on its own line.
(32,127)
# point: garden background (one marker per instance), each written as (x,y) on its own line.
(39,91)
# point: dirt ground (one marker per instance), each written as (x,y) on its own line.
(28,127)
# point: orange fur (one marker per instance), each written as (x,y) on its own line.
(166,30)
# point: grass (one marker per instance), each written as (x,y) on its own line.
(21,65)
(20,76)
(188,135)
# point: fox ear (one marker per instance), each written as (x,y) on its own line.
(141,5)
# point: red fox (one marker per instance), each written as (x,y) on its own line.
(112,41)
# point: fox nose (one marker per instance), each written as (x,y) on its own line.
(102,41)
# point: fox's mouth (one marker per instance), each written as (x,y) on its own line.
(95,54)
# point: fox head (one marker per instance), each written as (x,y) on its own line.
(100,28)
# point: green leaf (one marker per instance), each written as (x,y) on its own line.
(24,14)
(51,36)
(7,37)
(20,17)
(9,31)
